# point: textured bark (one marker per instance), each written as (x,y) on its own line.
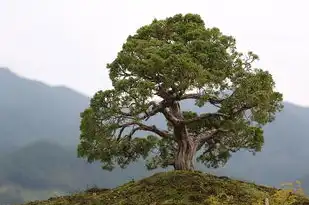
(186,149)
(185,155)
(186,145)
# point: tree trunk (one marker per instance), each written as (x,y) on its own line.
(185,154)
(186,145)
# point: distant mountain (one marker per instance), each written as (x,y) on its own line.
(31,110)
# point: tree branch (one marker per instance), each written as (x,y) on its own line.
(155,109)
(208,135)
(152,108)
(170,117)
(197,96)
(222,115)
(146,114)
(212,100)
(203,117)
(142,127)
(243,108)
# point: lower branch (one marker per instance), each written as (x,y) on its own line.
(208,135)
(142,127)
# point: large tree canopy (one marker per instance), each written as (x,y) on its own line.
(163,64)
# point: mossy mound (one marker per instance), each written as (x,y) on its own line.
(182,188)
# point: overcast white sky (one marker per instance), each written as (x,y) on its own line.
(69,42)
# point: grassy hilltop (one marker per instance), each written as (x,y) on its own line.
(181,188)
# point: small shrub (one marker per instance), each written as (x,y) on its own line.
(287,195)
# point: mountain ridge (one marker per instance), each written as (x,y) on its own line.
(8,72)
(38,107)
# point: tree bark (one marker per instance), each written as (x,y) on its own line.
(185,154)
(186,145)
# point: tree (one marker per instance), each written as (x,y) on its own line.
(165,63)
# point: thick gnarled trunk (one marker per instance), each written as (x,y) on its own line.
(185,154)
(186,144)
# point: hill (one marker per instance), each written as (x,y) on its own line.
(182,188)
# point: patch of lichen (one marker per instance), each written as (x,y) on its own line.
(182,188)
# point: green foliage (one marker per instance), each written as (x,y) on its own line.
(173,60)
(288,194)
(181,188)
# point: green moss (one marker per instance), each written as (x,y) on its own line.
(179,187)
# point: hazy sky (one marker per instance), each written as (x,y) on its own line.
(69,42)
